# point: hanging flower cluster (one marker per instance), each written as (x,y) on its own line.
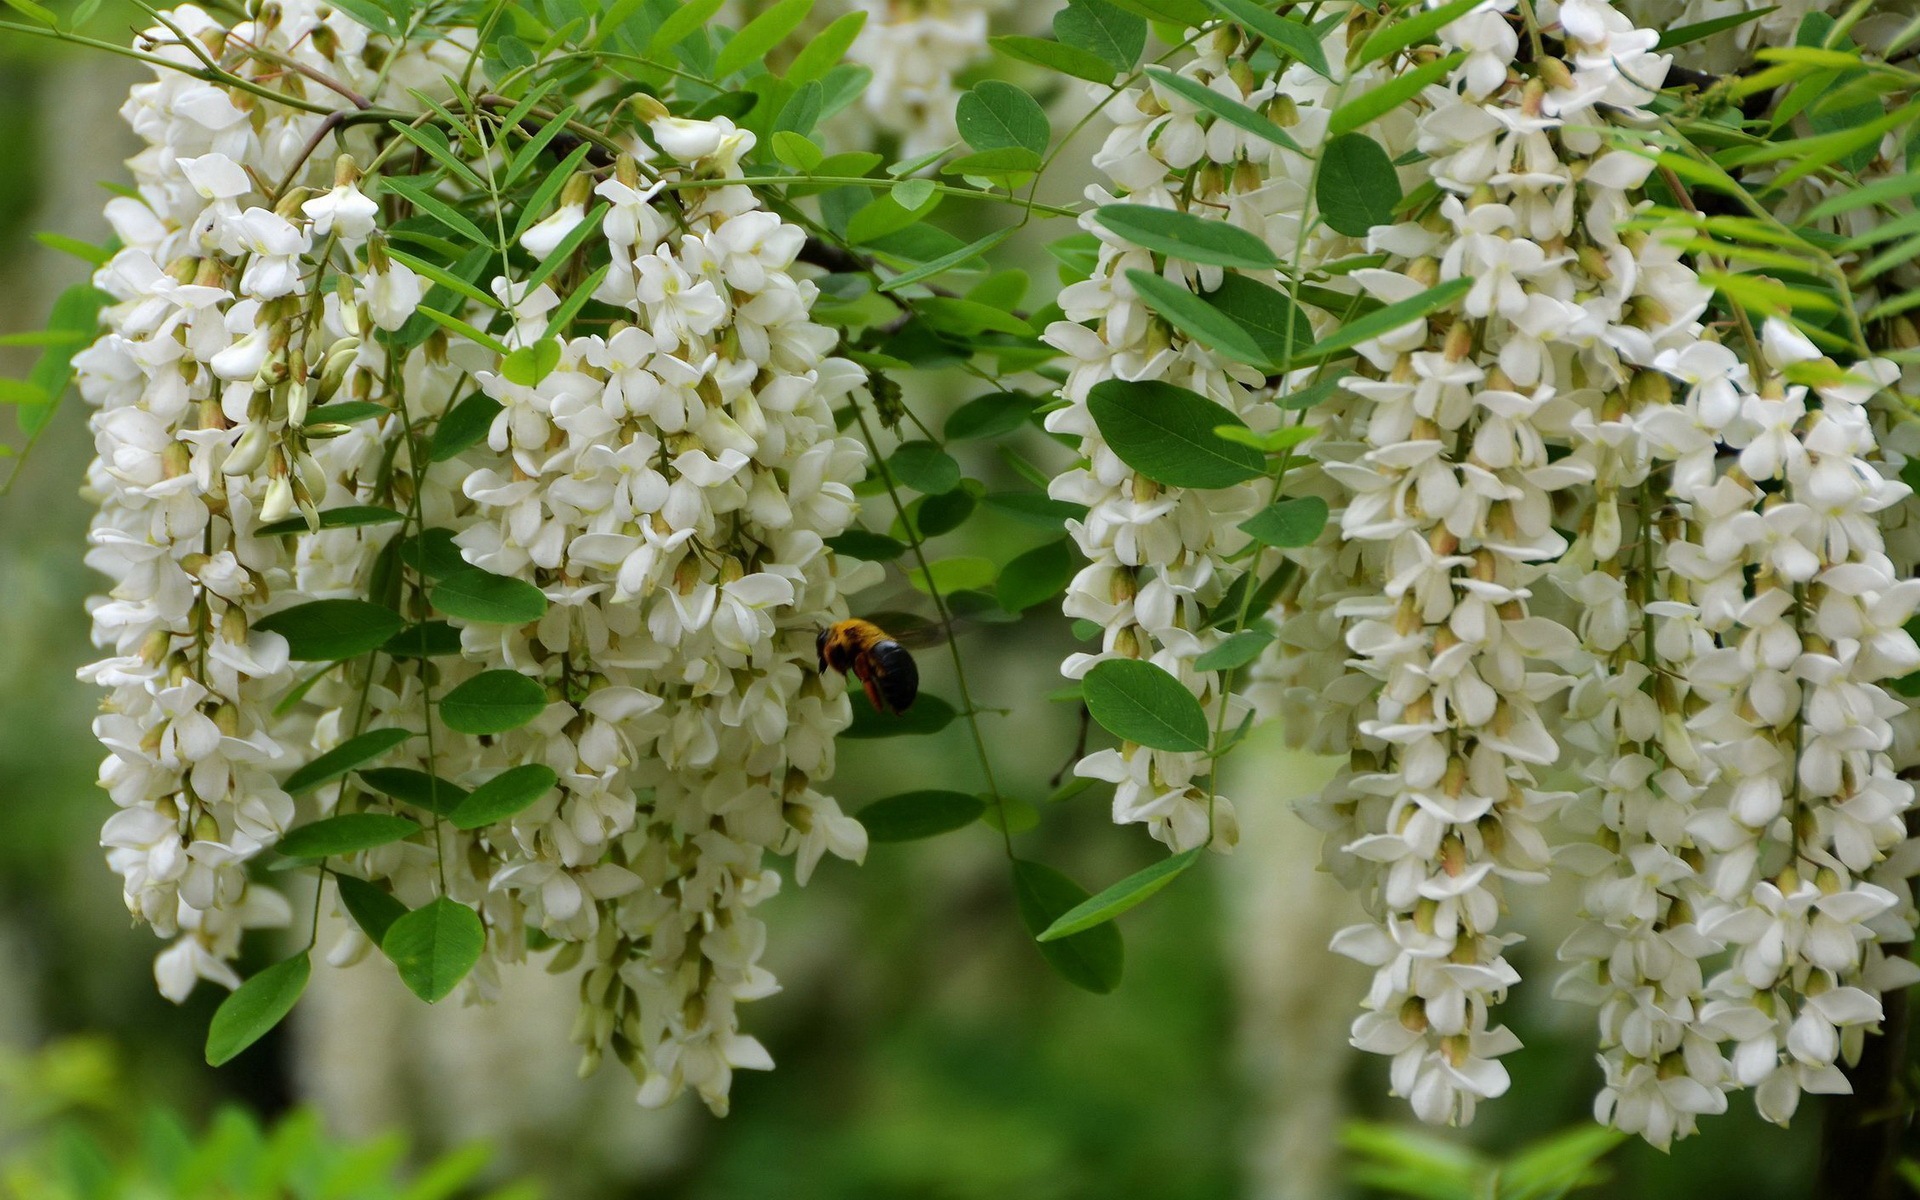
(561,591)
(472,494)
(1572,530)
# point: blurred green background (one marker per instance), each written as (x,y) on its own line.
(924,1049)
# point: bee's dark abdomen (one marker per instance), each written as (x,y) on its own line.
(898,677)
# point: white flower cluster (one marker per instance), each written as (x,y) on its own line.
(672,483)
(1159,556)
(1730,613)
(916,49)
(212,356)
(669,485)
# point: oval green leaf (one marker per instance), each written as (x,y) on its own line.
(428,639)
(993,415)
(1113,901)
(948,575)
(1230,111)
(1200,321)
(353,752)
(373,908)
(1035,577)
(1358,187)
(418,788)
(463,425)
(924,467)
(914,815)
(1166,433)
(478,595)
(507,793)
(329,630)
(1092,960)
(1288,523)
(995,115)
(1139,702)
(493,702)
(255,1007)
(929,714)
(866,545)
(347,833)
(1384,320)
(1236,652)
(435,946)
(1185,236)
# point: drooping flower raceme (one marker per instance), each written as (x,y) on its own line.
(281,428)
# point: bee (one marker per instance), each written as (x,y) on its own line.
(868,653)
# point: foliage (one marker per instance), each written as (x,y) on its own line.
(68,1135)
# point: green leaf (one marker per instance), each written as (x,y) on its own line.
(797,151)
(435,946)
(1174,15)
(911,193)
(477,595)
(1288,523)
(1880,191)
(947,262)
(1068,60)
(421,198)
(924,467)
(1166,433)
(1092,960)
(256,1006)
(373,908)
(934,515)
(535,208)
(432,553)
(1038,510)
(434,142)
(911,816)
(472,333)
(529,365)
(1231,111)
(345,517)
(687,19)
(347,833)
(993,415)
(354,752)
(1377,103)
(45,17)
(1035,577)
(1185,236)
(1317,392)
(1130,892)
(493,702)
(1384,320)
(994,115)
(330,630)
(969,317)
(1275,323)
(1358,187)
(86,252)
(506,794)
(463,426)
(885,216)
(929,714)
(1236,652)
(1395,36)
(417,788)
(428,639)
(1291,36)
(953,575)
(1683,35)
(76,310)
(1139,702)
(1112,34)
(346,412)
(826,49)
(760,35)
(866,545)
(1200,321)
